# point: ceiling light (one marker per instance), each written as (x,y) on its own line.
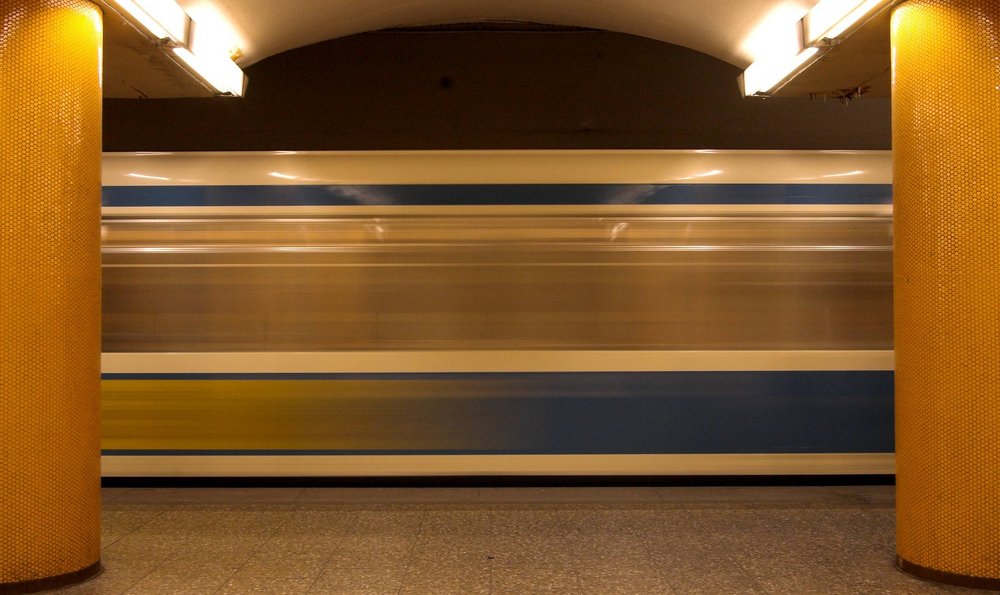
(163,19)
(766,75)
(193,47)
(212,28)
(777,50)
(796,45)
(774,33)
(830,19)
(219,71)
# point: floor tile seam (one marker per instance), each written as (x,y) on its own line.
(726,558)
(339,541)
(119,538)
(158,566)
(154,517)
(412,553)
(576,570)
(299,497)
(112,542)
(660,495)
(119,493)
(254,552)
(134,529)
(747,575)
(225,581)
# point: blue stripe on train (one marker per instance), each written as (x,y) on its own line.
(494,194)
(633,412)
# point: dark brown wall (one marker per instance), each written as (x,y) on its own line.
(497,90)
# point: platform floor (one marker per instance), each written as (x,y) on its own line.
(600,540)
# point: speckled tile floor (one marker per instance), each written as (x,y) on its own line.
(501,540)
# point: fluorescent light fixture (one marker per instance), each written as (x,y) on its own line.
(778,51)
(219,71)
(775,33)
(767,74)
(212,29)
(777,64)
(832,18)
(209,55)
(167,22)
(163,19)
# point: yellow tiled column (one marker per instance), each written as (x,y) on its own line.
(50,151)
(946,143)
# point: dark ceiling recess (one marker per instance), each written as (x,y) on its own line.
(493,86)
(489,26)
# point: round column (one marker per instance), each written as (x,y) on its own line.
(50,342)
(946,145)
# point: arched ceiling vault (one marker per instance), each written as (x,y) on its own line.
(725,29)
(719,28)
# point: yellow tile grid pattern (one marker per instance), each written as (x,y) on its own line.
(50,149)
(946,142)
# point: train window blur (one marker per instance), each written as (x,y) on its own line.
(458,280)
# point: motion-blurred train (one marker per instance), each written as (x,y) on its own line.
(497,313)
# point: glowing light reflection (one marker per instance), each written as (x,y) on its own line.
(706,174)
(147,177)
(856,172)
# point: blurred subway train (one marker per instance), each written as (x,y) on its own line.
(497,313)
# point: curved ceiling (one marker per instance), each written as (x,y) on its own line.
(719,28)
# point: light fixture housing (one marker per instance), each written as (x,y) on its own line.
(164,20)
(832,19)
(777,67)
(170,27)
(825,25)
(219,72)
